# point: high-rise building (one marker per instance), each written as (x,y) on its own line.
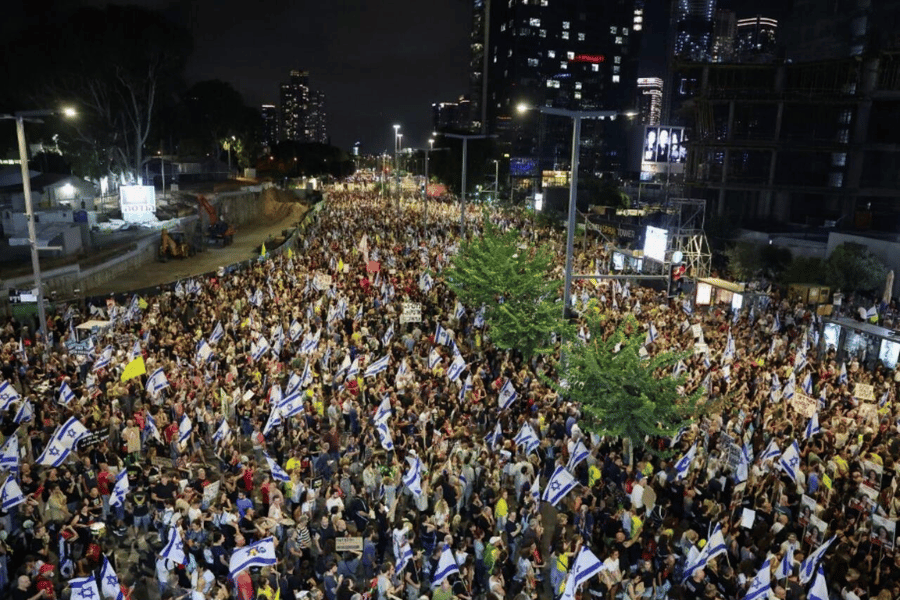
(724,32)
(756,39)
(453,116)
(302,110)
(269,115)
(816,30)
(650,100)
(478,41)
(569,54)
(693,20)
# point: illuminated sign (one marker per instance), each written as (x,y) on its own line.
(138,203)
(589,58)
(655,243)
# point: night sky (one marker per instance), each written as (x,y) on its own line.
(379,63)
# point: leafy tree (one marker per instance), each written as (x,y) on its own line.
(804,269)
(744,261)
(511,280)
(621,394)
(210,113)
(851,267)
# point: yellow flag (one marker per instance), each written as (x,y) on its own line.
(134,368)
(142,303)
(262,251)
(827,481)
(290,254)
(340,265)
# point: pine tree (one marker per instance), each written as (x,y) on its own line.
(620,393)
(511,279)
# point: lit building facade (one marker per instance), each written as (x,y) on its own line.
(650,90)
(303,117)
(269,114)
(756,39)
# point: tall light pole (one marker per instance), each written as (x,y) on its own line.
(465,154)
(397,160)
(20,118)
(576,116)
(425,191)
(496,179)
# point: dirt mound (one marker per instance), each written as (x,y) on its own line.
(277,205)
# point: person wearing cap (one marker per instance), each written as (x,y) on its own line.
(44,583)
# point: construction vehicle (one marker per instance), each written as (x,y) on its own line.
(173,245)
(219,231)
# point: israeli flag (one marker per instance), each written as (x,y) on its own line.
(384,435)
(11,494)
(122,487)
(493,438)
(684,464)
(71,432)
(776,326)
(789,390)
(579,453)
(776,384)
(204,351)
(786,565)
(442,336)
(185,427)
(295,330)
(729,348)
(687,308)
(278,474)
(9,455)
(434,359)
(478,323)
(819,589)
(306,379)
(760,587)
(790,460)
(679,368)
(809,564)
(586,566)
(535,490)
(714,547)
(135,351)
(353,370)
(273,421)
(456,368)
(66,394)
(8,395)
(771,452)
(151,426)
(742,472)
(259,348)
(799,361)
(406,555)
(293,384)
(222,432)
(459,312)
(652,334)
(426,282)
(310,342)
(388,335)
(508,395)
(105,358)
(455,348)
(174,548)
(260,554)
(465,389)
(446,566)
(84,588)
(292,405)
(217,334)
(109,581)
(842,378)
(528,438)
(812,426)
(412,479)
(157,381)
(560,484)
(384,409)
(378,366)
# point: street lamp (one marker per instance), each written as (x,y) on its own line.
(576,116)
(397,136)
(465,153)
(496,179)
(425,191)
(228,147)
(20,118)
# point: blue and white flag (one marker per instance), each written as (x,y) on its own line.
(456,368)
(535,490)
(434,359)
(679,368)
(579,453)
(71,432)
(528,438)
(185,427)
(560,484)
(9,455)
(259,348)
(465,388)
(66,394)
(586,566)
(493,438)
(446,566)
(776,325)
(104,359)
(157,381)
(406,555)
(819,589)
(260,554)
(687,308)
(353,370)
(786,565)
(426,282)
(761,584)
(384,435)
(388,335)
(109,581)
(378,366)
(812,426)
(652,335)
(455,349)
(8,395)
(771,452)
(790,460)
(384,409)
(684,464)
(306,379)
(478,322)
(278,474)
(789,390)
(217,334)
(809,564)
(120,489)
(776,384)
(11,494)
(174,548)
(730,352)
(84,588)
(152,428)
(412,479)
(807,384)
(222,433)
(714,547)
(273,421)
(842,377)
(460,311)
(442,336)
(508,395)
(204,351)
(295,330)
(293,384)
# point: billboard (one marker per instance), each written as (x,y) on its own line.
(523,167)
(655,243)
(663,149)
(138,203)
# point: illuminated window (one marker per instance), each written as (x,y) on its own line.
(616,68)
(564,65)
(534,22)
(509,53)
(570,55)
(543,2)
(614,30)
(565,24)
(542,33)
(577,85)
(550,83)
(551,53)
(565,35)
(502,26)
(615,79)
(578,95)
(595,67)
(618,39)
(618,60)
(532,62)
(624,31)
(838,159)
(580,37)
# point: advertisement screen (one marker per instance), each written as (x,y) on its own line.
(618,261)
(523,167)
(832,335)
(704,294)
(663,150)
(889,353)
(655,242)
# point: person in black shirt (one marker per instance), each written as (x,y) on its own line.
(25,591)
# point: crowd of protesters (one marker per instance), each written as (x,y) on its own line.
(348,524)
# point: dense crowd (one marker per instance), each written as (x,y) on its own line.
(290,401)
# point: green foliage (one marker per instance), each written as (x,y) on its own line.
(804,270)
(499,265)
(743,261)
(851,267)
(620,394)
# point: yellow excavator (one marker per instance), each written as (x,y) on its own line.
(173,245)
